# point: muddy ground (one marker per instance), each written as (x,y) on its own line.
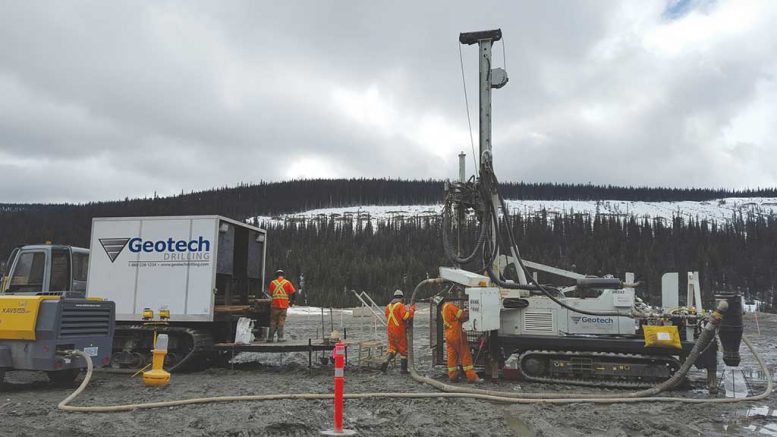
(28,402)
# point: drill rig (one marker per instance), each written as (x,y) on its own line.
(590,331)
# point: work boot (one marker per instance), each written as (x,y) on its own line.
(384,366)
(712,381)
(280,334)
(270,334)
(403,368)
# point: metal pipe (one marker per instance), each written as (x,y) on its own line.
(462,167)
(484,51)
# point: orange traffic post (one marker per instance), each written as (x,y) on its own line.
(339,356)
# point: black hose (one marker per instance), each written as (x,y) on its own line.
(447,244)
(492,250)
(511,285)
(534,282)
(483,190)
(489,185)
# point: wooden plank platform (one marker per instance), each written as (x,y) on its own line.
(238,309)
(286,346)
(308,346)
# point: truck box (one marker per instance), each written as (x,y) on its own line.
(188,265)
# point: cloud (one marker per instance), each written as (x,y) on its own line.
(107,100)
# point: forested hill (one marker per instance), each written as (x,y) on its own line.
(336,255)
(70,223)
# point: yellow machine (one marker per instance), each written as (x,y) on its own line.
(41,324)
(19,316)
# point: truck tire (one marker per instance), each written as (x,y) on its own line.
(64,377)
(2,376)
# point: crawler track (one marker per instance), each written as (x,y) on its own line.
(596,369)
(189,348)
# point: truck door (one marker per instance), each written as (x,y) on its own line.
(28,272)
(80,266)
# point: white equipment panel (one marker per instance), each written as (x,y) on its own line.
(463,277)
(485,304)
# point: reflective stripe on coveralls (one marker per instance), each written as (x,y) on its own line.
(391,318)
(280,293)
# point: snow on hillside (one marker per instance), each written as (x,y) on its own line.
(720,210)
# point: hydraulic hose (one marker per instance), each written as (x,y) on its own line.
(65,404)
(490,248)
(488,217)
(461,392)
(494,277)
(536,286)
(489,184)
(647,395)
(447,245)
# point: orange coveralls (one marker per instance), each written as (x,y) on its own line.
(456,339)
(397,315)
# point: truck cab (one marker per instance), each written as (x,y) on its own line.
(46,269)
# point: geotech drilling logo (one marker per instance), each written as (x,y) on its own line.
(170,249)
(113,246)
(595,320)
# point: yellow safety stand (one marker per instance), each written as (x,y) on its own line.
(158,376)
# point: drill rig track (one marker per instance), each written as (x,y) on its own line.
(188,347)
(596,369)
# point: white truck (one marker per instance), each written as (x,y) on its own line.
(191,277)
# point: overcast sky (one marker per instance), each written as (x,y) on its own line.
(102,100)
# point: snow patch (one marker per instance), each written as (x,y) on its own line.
(720,210)
(306,310)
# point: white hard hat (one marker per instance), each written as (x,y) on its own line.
(398,293)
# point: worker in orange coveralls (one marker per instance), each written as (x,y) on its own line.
(398,315)
(456,339)
(282,292)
